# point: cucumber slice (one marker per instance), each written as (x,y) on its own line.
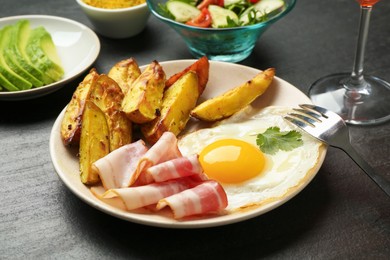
(264,7)
(269,6)
(219,16)
(182,12)
(230,2)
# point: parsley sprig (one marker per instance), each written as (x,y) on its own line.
(273,140)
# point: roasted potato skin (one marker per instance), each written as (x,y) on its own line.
(142,103)
(201,67)
(235,99)
(177,104)
(125,72)
(71,123)
(108,96)
(94,141)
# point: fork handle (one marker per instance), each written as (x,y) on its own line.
(378,179)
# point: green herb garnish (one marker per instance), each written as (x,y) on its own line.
(273,140)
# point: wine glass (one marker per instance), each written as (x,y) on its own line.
(359,99)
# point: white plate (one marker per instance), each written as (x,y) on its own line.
(222,77)
(77,45)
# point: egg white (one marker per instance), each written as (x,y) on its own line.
(283,171)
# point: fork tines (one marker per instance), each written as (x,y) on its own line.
(315,109)
(306,115)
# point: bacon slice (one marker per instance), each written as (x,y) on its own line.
(163,150)
(173,169)
(208,196)
(117,169)
(122,167)
(141,196)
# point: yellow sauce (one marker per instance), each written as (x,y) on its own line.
(113,4)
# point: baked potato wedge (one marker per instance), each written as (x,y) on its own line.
(125,73)
(108,96)
(177,104)
(71,123)
(201,67)
(142,103)
(235,99)
(94,141)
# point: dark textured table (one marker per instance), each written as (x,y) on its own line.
(341,214)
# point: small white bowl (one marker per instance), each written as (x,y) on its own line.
(117,23)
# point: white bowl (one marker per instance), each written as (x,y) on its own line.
(77,45)
(117,23)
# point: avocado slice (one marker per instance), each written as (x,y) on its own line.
(4,83)
(15,61)
(43,54)
(21,37)
(5,70)
(13,64)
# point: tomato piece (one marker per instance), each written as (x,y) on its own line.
(206,3)
(254,1)
(202,20)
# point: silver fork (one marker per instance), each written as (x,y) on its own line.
(330,128)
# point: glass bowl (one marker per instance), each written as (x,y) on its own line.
(222,44)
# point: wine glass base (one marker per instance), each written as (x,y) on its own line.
(367,107)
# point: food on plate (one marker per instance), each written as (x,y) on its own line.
(108,96)
(71,122)
(201,67)
(125,72)
(142,103)
(221,14)
(113,4)
(161,177)
(227,154)
(122,167)
(226,169)
(235,99)
(181,94)
(209,196)
(28,57)
(145,195)
(249,178)
(99,128)
(94,141)
(249,158)
(273,140)
(223,161)
(117,169)
(177,103)
(173,169)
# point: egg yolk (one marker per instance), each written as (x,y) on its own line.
(231,160)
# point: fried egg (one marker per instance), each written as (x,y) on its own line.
(229,154)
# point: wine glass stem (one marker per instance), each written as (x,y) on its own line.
(357,80)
